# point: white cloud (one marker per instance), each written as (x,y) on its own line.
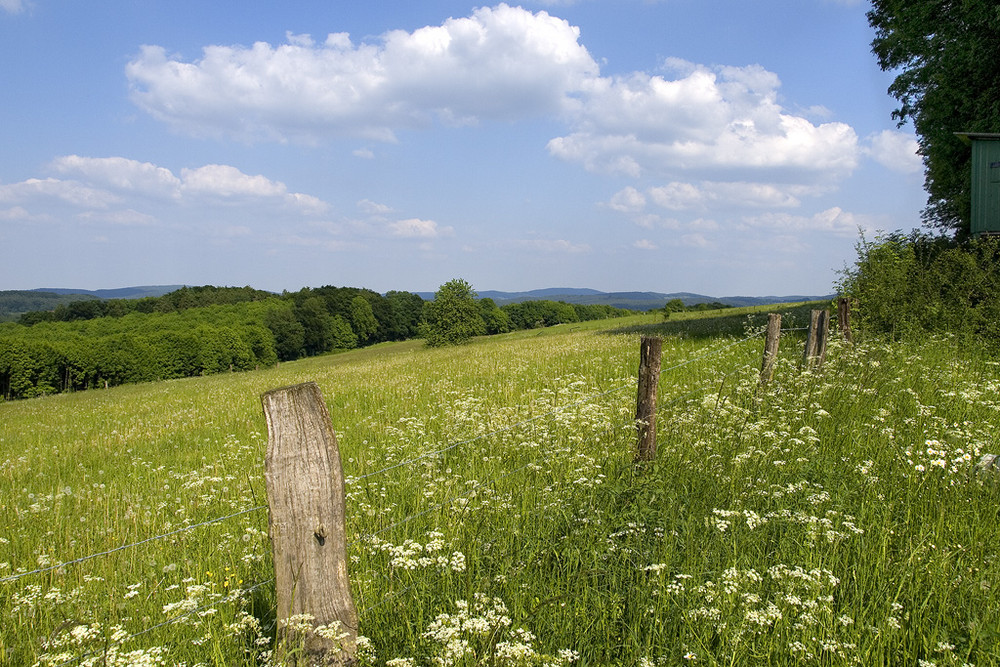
(706,195)
(15,213)
(224,182)
(727,117)
(680,196)
(125,218)
(120,173)
(52,189)
(556,246)
(221,180)
(833,220)
(499,63)
(644,244)
(122,187)
(12,6)
(628,200)
(417,228)
(896,151)
(373,208)
(364,153)
(693,241)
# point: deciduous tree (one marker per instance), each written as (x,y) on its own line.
(453,316)
(946,54)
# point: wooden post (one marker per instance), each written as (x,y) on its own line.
(844,318)
(650,350)
(770,347)
(305,494)
(815,352)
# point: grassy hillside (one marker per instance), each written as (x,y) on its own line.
(834,518)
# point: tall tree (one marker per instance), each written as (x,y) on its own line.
(947,55)
(363,320)
(453,316)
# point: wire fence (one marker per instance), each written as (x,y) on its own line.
(477,486)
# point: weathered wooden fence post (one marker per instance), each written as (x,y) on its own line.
(770,347)
(650,350)
(815,352)
(305,494)
(844,318)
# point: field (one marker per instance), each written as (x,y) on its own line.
(835,517)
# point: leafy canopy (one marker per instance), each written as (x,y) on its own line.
(453,316)
(946,54)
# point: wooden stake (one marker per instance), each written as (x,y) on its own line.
(305,492)
(770,347)
(815,352)
(844,318)
(650,351)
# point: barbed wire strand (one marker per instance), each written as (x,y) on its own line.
(481,436)
(411,517)
(561,408)
(243,591)
(42,570)
(354,480)
(397,594)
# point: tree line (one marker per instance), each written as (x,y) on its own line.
(204,330)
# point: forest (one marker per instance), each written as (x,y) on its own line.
(193,331)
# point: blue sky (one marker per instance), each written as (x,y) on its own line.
(710,146)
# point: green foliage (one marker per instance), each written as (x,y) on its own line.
(494,318)
(16,303)
(918,283)
(453,317)
(344,337)
(946,58)
(407,313)
(363,320)
(317,324)
(289,334)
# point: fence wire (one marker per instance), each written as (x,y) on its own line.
(42,570)
(478,486)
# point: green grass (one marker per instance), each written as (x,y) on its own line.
(834,518)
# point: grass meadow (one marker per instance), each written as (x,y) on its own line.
(835,517)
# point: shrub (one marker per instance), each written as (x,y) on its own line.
(916,283)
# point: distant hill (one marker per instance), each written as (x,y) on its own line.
(119,293)
(634,300)
(14,303)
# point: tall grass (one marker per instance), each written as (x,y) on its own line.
(834,518)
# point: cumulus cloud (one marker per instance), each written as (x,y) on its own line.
(833,220)
(116,190)
(726,117)
(125,218)
(555,246)
(644,244)
(12,6)
(417,228)
(15,213)
(119,173)
(117,176)
(896,151)
(499,63)
(628,200)
(712,195)
(53,189)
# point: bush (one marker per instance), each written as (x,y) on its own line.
(916,283)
